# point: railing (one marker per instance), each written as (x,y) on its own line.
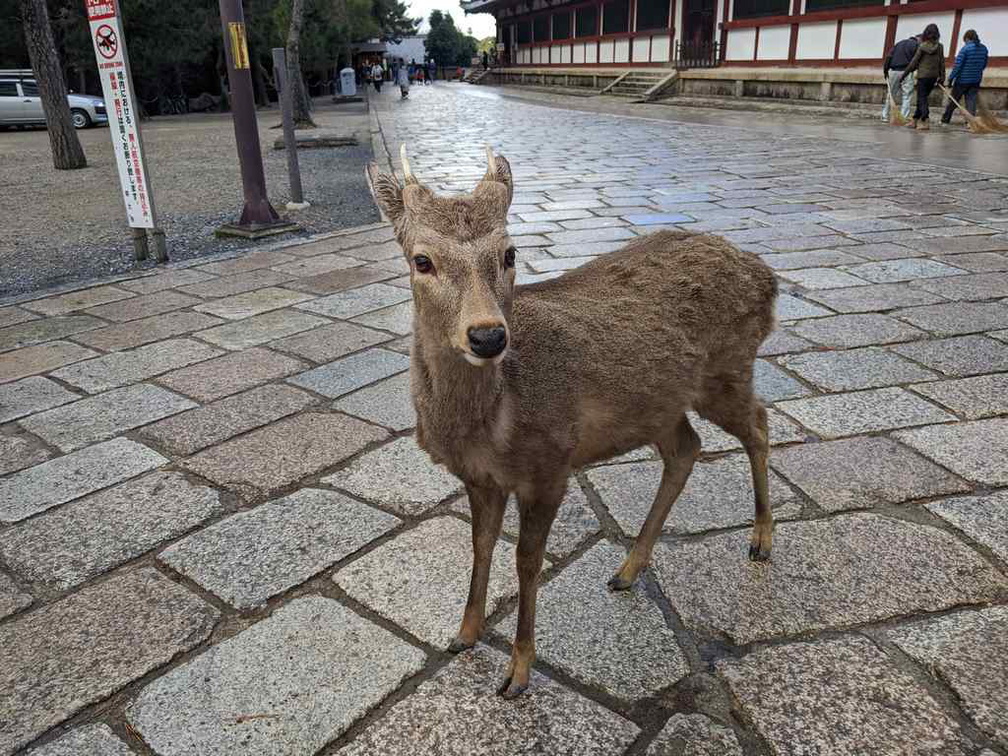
(697,55)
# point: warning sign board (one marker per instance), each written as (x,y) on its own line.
(124,126)
(239,47)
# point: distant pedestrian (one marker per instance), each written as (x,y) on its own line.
(403,82)
(895,64)
(431,70)
(967,74)
(929,63)
(377,76)
(486,60)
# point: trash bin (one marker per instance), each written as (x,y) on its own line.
(347,83)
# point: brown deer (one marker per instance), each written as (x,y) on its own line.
(515,387)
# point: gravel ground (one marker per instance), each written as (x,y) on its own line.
(64,226)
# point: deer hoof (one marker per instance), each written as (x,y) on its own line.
(758,553)
(619,583)
(509,689)
(459,645)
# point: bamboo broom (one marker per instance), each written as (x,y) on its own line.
(988,119)
(895,116)
(972,122)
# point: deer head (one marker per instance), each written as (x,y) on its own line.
(461,258)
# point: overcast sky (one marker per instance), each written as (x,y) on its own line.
(482,24)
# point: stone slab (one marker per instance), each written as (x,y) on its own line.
(718,494)
(77,300)
(397,319)
(87,537)
(205,426)
(246,262)
(122,368)
(271,458)
(254,555)
(845,698)
(957,318)
(339,280)
(575,521)
(875,297)
(830,573)
(80,650)
(251,303)
(959,356)
(782,342)
(40,359)
(972,287)
(351,373)
(387,403)
(420,579)
(30,395)
(859,473)
(857,412)
(66,478)
(864,329)
(289,684)
(12,599)
(329,342)
(143,306)
(166,279)
(89,740)
(812,258)
(353,302)
(694,735)
(19,451)
(458,713)
(977,262)
(973,398)
(399,476)
(861,368)
(46,329)
(259,329)
(235,284)
(313,266)
(969,652)
(100,417)
(773,384)
(976,450)
(908,269)
(230,373)
(714,439)
(822,278)
(13,315)
(139,332)
(616,641)
(790,307)
(982,518)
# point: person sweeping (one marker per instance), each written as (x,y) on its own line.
(966,75)
(929,63)
(895,64)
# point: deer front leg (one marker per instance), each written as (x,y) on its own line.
(486,505)
(537,514)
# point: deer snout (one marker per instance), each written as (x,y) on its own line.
(487,342)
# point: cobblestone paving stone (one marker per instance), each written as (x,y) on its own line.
(218,536)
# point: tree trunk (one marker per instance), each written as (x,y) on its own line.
(259,83)
(66,147)
(302,114)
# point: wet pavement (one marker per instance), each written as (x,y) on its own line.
(218,535)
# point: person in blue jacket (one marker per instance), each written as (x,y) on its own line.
(967,74)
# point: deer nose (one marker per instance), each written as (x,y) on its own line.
(487,342)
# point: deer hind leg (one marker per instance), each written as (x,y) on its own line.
(487,507)
(679,452)
(537,514)
(739,412)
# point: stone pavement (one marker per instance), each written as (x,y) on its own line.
(218,536)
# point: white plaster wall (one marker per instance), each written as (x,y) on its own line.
(565,54)
(992,26)
(605,51)
(622,51)
(579,53)
(863,38)
(660,49)
(816,41)
(591,53)
(641,49)
(678,19)
(914,23)
(741,44)
(774,42)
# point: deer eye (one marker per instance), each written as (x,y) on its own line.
(509,257)
(423,264)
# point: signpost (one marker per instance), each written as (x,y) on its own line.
(124,125)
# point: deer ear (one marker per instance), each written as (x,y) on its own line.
(503,175)
(387,192)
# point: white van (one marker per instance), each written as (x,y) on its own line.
(20,103)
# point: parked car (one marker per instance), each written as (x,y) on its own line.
(20,103)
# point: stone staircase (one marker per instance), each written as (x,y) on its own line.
(636,84)
(476,75)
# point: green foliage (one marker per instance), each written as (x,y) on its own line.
(445,44)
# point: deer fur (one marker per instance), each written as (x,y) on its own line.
(599,361)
